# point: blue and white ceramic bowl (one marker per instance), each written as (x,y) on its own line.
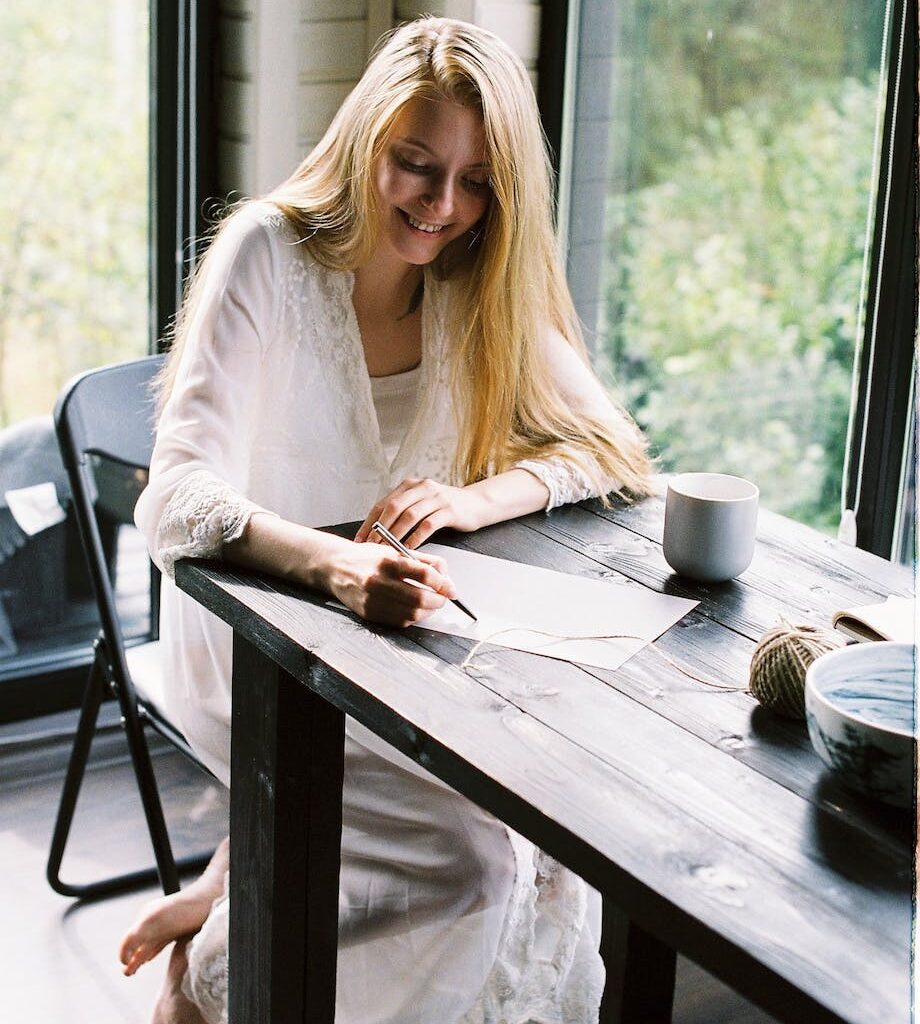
(860,705)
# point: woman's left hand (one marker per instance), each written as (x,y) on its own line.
(415,509)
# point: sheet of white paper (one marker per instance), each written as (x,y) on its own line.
(507,595)
(35,508)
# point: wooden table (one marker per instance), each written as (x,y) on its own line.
(708,824)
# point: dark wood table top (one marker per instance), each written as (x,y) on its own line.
(707,819)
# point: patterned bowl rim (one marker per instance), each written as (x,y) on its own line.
(828,663)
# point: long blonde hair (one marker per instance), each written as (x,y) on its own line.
(510,286)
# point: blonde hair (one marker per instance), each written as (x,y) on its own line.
(509,284)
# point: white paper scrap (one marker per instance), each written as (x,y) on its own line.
(507,595)
(35,508)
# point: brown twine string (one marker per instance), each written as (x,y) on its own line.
(465,664)
(777,667)
(780,661)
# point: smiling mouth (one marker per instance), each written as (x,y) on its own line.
(420,225)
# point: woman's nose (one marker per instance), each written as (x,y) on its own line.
(441,196)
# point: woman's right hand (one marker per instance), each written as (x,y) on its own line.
(369,579)
(384,586)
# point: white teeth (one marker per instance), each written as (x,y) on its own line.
(430,228)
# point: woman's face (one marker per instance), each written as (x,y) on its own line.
(432,179)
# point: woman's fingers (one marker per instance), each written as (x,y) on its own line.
(364,530)
(399,590)
(408,590)
(422,572)
(408,525)
(387,587)
(387,509)
(436,560)
(416,509)
(400,511)
(403,508)
(429,524)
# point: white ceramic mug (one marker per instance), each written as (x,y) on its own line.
(710,520)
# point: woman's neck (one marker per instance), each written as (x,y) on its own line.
(382,299)
(384,287)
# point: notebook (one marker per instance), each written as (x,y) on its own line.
(892,619)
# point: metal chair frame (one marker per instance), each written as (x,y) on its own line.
(109,412)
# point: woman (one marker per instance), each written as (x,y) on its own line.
(387,335)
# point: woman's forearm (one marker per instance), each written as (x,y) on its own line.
(508,495)
(277,546)
(376,583)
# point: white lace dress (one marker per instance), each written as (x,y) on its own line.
(445,914)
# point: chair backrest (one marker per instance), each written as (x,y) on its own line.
(108,413)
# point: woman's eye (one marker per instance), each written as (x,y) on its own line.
(477,184)
(411,166)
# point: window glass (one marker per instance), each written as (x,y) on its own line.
(73,273)
(737,141)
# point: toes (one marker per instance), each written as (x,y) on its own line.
(139,956)
(128,947)
(143,954)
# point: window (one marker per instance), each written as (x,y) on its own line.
(74,278)
(733,149)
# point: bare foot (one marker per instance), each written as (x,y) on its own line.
(175,916)
(172,1006)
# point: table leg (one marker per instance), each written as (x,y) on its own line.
(285,826)
(640,972)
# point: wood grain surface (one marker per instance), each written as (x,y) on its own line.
(709,823)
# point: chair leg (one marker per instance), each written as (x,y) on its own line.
(167,868)
(150,796)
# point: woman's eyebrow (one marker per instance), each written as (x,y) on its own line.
(410,141)
(417,143)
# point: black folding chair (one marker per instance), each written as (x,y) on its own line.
(105,425)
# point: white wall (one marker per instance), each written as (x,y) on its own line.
(286,65)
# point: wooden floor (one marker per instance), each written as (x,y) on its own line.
(59,962)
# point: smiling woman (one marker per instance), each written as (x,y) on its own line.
(434,177)
(432,190)
(410,254)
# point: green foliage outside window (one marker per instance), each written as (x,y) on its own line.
(73,194)
(736,229)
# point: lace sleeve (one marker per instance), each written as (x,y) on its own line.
(203,514)
(200,468)
(565,482)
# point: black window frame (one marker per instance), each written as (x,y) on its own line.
(886,367)
(184,80)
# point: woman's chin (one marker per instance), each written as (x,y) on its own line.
(419,254)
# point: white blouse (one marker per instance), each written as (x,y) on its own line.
(273,409)
(394,399)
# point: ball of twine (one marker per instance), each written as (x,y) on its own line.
(780,661)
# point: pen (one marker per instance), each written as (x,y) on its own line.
(403,550)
